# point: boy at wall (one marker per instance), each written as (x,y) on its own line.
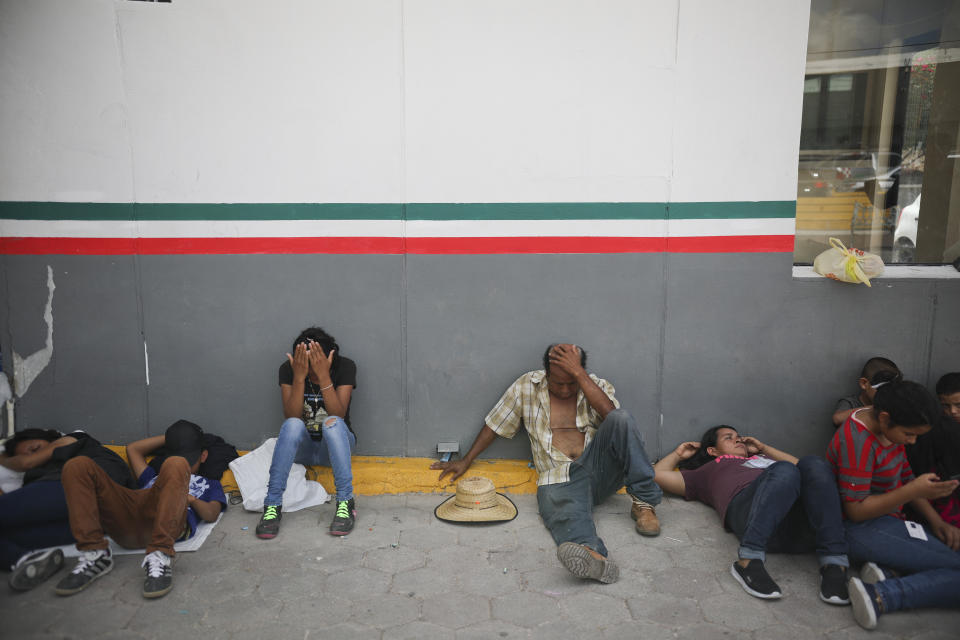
(939,450)
(948,393)
(168,507)
(876,372)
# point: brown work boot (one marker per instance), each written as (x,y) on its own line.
(646,517)
(584,562)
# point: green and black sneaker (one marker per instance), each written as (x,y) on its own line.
(269,525)
(345,517)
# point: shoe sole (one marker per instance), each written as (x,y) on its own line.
(863,611)
(580,562)
(776,595)
(871,573)
(266,536)
(31,574)
(837,600)
(157,594)
(69,592)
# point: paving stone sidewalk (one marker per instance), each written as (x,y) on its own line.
(404,574)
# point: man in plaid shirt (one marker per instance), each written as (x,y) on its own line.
(584,448)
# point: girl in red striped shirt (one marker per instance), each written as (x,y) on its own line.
(875,481)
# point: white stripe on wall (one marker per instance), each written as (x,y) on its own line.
(392,228)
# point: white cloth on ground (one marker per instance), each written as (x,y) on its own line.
(190,544)
(252,471)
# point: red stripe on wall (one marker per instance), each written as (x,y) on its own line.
(390,245)
(537,244)
(202,246)
(730,244)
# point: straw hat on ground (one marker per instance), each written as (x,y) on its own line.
(476,501)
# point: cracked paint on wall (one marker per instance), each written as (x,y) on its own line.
(26,370)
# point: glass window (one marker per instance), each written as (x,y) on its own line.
(880,131)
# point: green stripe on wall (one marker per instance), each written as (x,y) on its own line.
(393,211)
(197,211)
(537,211)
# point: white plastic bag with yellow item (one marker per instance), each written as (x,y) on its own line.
(847,265)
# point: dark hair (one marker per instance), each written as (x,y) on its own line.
(701,457)
(546,356)
(321,337)
(948,384)
(909,404)
(10,446)
(879,369)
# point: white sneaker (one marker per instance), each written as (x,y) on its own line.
(871,573)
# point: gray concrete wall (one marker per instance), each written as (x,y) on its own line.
(696,339)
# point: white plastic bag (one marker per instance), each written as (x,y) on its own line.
(252,471)
(847,265)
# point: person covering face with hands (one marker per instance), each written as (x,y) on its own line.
(316,384)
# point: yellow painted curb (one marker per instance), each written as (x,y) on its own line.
(374,475)
(378,475)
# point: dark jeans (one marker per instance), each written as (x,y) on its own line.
(32,517)
(614,458)
(790,508)
(933,567)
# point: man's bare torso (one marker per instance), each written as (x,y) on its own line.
(563,423)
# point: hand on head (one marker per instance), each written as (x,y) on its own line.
(300,361)
(567,358)
(686,449)
(754,446)
(320,362)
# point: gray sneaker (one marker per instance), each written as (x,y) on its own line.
(159,579)
(35,567)
(90,566)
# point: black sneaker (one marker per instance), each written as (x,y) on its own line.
(755,580)
(35,567)
(344,518)
(90,566)
(269,525)
(833,584)
(867,607)
(159,579)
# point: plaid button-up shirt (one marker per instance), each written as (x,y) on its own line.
(527,402)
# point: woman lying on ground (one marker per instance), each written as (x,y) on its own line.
(769,499)
(875,481)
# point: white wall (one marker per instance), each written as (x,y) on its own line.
(400,101)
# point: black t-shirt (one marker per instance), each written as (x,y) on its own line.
(343,372)
(86,445)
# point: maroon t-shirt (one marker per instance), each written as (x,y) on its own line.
(718,481)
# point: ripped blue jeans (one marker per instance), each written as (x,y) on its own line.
(294,444)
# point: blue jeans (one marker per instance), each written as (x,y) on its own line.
(32,517)
(933,567)
(790,508)
(614,458)
(294,444)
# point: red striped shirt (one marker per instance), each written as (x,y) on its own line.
(863,465)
